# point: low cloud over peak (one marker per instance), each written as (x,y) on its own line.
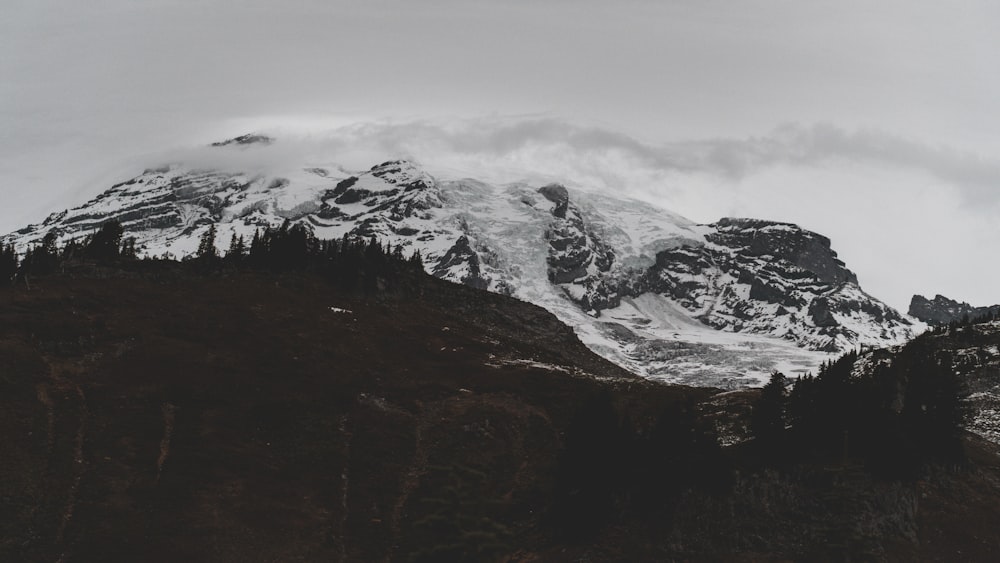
(599,157)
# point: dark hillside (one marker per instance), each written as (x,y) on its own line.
(156,411)
(162,416)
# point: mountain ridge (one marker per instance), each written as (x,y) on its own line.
(942,310)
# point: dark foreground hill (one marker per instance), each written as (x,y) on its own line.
(157,414)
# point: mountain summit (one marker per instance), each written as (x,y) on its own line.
(720,304)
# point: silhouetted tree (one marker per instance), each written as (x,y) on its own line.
(41,259)
(105,244)
(768,419)
(237,249)
(128,251)
(206,245)
(8,262)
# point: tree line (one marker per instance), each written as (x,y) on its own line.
(897,415)
(350,262)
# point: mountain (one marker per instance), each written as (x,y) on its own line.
(941,310)
(722,304)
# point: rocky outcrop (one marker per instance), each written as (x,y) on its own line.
(772,278)
(784,241)
(578,259)
(396,186)
(461,263)
(941,310)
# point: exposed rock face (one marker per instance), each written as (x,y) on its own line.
(576,254)
(461,263)
(395,186)
(785,241)
(159,199)
(941,310)
(749,275)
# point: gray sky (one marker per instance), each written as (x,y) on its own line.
(874,123)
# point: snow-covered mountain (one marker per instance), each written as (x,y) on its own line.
(721,304)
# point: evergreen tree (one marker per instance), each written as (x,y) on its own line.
(105,244)
(128,250)
(768,416)
(41,259)
(206,245)
(237,249)
(8,262)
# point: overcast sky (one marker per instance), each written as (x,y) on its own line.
(875,123)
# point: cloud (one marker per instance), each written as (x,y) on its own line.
(799,145)
(515,148)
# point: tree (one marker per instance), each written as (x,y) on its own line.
(767,420)
(43,258)
(934,411)
(237,249)
(105,244)
(128,251)
(8,262)
(206,245)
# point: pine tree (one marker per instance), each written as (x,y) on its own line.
(237,249)
(206,246)
(41,259)
(8,262)
(768,417)
(128,251)
(105,244)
